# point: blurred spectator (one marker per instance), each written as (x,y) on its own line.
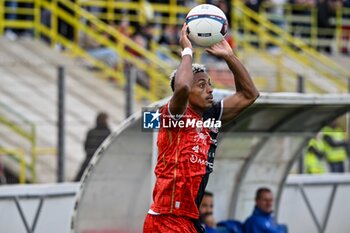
(207,204)
(157,14)
(96,50)
(169,35)
(12,5)
(65,28)
(94,139)
(254,4)
(206,218)
(277,8)
(346,29)
(168,41)
(141,77)
(187,3)
(141,41)
(302,8)
(124,27)
(261,220)
(325,29)
(225,6)
(313,157)
(147,33)
(96,10)
(335,147)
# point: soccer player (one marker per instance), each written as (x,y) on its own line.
(186,151)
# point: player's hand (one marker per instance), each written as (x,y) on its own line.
(184,41)
(220,49)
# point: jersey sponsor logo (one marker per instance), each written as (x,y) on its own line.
(198,149)
(195,159)
(201,137)
(195,149)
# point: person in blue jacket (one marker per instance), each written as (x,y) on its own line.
(262,220)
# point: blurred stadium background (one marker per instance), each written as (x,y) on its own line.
(116,56)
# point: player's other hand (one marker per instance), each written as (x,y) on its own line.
(220,49)
(184,41)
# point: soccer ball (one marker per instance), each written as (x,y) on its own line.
(207,25)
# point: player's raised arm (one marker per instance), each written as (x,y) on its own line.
(183,78)
(246,92)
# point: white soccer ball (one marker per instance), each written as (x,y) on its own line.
(207,25)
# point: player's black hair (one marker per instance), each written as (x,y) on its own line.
(196,68)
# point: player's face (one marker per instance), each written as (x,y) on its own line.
(265,202)
(207,205)
(201,95)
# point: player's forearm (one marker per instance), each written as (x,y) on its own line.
(183,84)
(184,75)
(243,82)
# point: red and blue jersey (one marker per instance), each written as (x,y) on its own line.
(186,154)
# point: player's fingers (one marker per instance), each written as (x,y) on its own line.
(184,29)
(209,50)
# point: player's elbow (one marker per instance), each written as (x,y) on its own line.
(255,93)
(252,96)
(249,99)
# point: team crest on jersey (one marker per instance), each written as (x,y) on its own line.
(196,159)
(201,138)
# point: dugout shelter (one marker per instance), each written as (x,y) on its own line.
(257,149)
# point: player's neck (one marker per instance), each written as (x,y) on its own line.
(198,111)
